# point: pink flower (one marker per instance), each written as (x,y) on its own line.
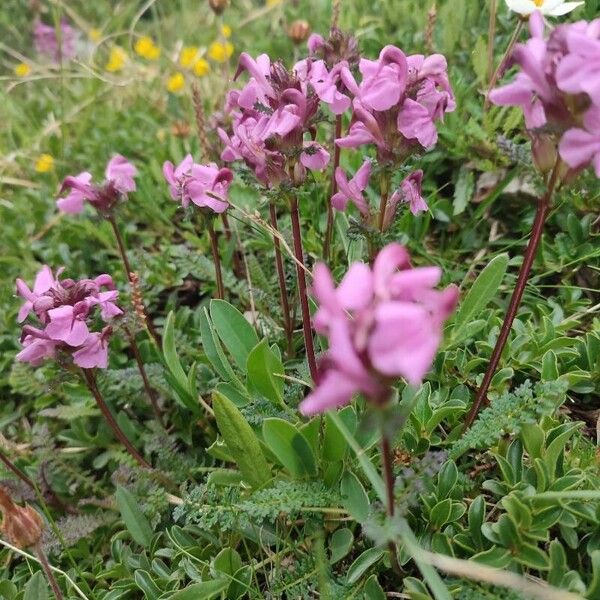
(37,346)
(46,41)
(43,282)
(118,183)
(326,83)
(68,324)
(121,172)
(384,80)
(398,103)
(271,116)
(409,192)
(558,89)
(204,185)
(352,191)
(65,310)
(382,323)
(94,351)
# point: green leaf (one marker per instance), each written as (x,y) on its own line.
(483,290)
(340,544)
(463,191)
(136,522)
(549,366)
(144,581)
(532,436)
(475,518)
(263,366)
(228,561)
(360,566)
(235,332)
(531,556)
(372,589)
(36,588)
(240,583)
(440,513)
(8,590)
(290,447)
(202,591)
(593,590)
(354,497)
(479,59)
(335,446)
(241,441)
(213,350)
(176,375)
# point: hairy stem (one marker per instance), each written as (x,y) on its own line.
(90,380)
(128,273)
(41,555)
(543,207)
(384,190)
(142,369)
(283,293)
(503,63)
(299,253)
(14,469)
(388,477)
(214,244)
(336,162)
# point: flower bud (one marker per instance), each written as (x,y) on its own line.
(21,525)
(543,149)
(218,6)
(299,31)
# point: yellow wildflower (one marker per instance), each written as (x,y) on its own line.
(176,83)
(272,3)
(220,52)
(44,163)
(188,56)
(22,70)
(202,67)
(95,34)
(226,31)
(146,48)
(116,60)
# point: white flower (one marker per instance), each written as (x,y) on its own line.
(551,8)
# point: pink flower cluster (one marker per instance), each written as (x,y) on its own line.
(397,103)
(558,88)
(271,117)
(206,186)
(46,41)
(65,308)
(382,323)
(119,182)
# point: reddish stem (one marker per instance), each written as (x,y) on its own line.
(142,369)
(388,476)
(129,271)
(41,555)
(90,379)
(214,244)
(336,162)
(283,293)
(300,268)
(14,469)
(542,210)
